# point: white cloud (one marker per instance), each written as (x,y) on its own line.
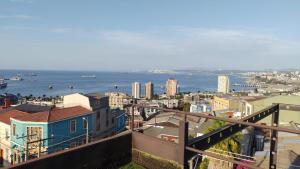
(166,48)
(202,47)
(15,17)
(59,30)
(22,1)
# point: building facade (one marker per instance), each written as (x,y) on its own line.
(99,104)
(149,90)
(116,100)
(136,90)
(38,133)
(171,87)
(223,84)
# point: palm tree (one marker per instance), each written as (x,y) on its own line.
(226,147)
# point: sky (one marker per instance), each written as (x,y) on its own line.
(149,34)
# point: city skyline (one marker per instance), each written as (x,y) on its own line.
(139,35)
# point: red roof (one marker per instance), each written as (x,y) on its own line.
(5,117)
(55,114)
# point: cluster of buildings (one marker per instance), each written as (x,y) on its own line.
(172,89)
(28,131)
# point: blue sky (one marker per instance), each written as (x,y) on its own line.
(149,34)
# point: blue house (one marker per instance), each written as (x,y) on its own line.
(37,133)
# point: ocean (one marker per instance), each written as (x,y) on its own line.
(104,82)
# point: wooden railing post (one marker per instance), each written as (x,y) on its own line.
(183,141)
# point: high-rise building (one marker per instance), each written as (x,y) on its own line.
(171,87)
(223,84)
(149,90)
(136,90)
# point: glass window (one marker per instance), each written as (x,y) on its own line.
(85,123)
(73,126)
(6,134)
(98,114)
(14,130)
(112,120)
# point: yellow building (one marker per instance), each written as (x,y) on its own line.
(149,90)
(226,103)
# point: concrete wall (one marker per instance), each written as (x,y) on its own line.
(76,100)
(112,153)
(155,146)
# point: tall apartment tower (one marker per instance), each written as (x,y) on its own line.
(171,87)
(223,84)
(136,90)
(149,90)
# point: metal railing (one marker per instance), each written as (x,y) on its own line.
(198,145)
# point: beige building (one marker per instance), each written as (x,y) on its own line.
(116,100)
(149,90)
(285,116)
(171,87)
(223,84)
(136,90)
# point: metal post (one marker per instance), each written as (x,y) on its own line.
(40,148)
(183,141)
(132,118)
(274,139)
(87,131)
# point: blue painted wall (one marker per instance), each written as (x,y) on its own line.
(58,133)
(19,140)
(120,120)
(62,136)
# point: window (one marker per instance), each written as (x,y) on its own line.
(85,123)
(98,114)
(73,126)
(6,134)
(14,130)
(112,120)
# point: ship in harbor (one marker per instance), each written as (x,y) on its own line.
(3,84)
(16,78)
(88,76)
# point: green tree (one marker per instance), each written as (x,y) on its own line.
(227,146)
(186,107)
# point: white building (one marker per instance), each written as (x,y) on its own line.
(199,108)
(5,132)
(223,84)
(136,90)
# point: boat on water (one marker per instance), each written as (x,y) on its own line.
(71,87)
(50,87)
(16,78)
(88,76)
(3,84)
